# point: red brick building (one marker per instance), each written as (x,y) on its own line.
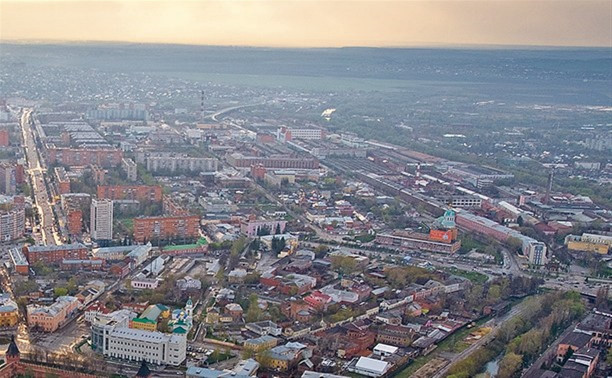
(52,254)
(4,138)
(166,227)
(143,193)
(74,221)
(63,182)
(107,157)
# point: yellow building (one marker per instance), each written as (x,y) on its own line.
(143,324)
(584,244)
(260,343)
(9,313)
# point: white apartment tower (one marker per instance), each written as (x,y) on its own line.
(101,226)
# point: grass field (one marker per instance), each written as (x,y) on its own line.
(475,277)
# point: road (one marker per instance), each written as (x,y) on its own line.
(37,173)
(227,110)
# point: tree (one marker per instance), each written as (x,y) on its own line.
(60,291)
(278,229)
(72,286)
(344,264)
(515,244)
(264,359)
(253,313)
(510,365)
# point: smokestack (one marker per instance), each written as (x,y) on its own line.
(549,185)
(202,105)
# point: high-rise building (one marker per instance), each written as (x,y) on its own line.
(101,226)
(12,218)
(8,178)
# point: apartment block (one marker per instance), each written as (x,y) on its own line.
(101,224)
(104,157)
(143,193)
(130,168)
(52,254)
(166,227)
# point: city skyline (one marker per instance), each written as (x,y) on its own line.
(312,23)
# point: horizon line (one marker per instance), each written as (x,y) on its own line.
(416,45)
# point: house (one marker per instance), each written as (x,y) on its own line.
(396,335)
(285,357)
(265,327)
(581,364)
(234,310)
(573,341)
(260,343)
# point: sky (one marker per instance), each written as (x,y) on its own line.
(312,23)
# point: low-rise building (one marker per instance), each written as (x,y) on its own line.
(9,312)
(370,367)
(50,318)
(589,243)
(130,169)
(260,343)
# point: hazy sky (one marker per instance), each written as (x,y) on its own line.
(313,23)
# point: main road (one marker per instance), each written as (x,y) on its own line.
(39,182)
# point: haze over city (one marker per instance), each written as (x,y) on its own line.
(311,23)
(312,189)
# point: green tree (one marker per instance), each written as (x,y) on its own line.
(510,365)
(60,291)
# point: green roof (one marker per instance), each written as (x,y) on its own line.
(199,243)
(179,330)
(144,320)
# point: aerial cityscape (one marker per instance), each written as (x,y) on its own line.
(200,210)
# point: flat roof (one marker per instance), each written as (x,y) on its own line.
(370,364)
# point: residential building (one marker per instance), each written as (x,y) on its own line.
(252,227)
(99,174)
(9,312)
(396,335)
(166,227)
(74,221)
(63,182)
(260,343)
(101,225)
(12,218)
(130,168)
(8,178)
(285,357)
(19,261)
(143,193)
(581,364)
(52,254)
(181,164)
(50,318)
(4,138)
(265,327)
(104,157)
